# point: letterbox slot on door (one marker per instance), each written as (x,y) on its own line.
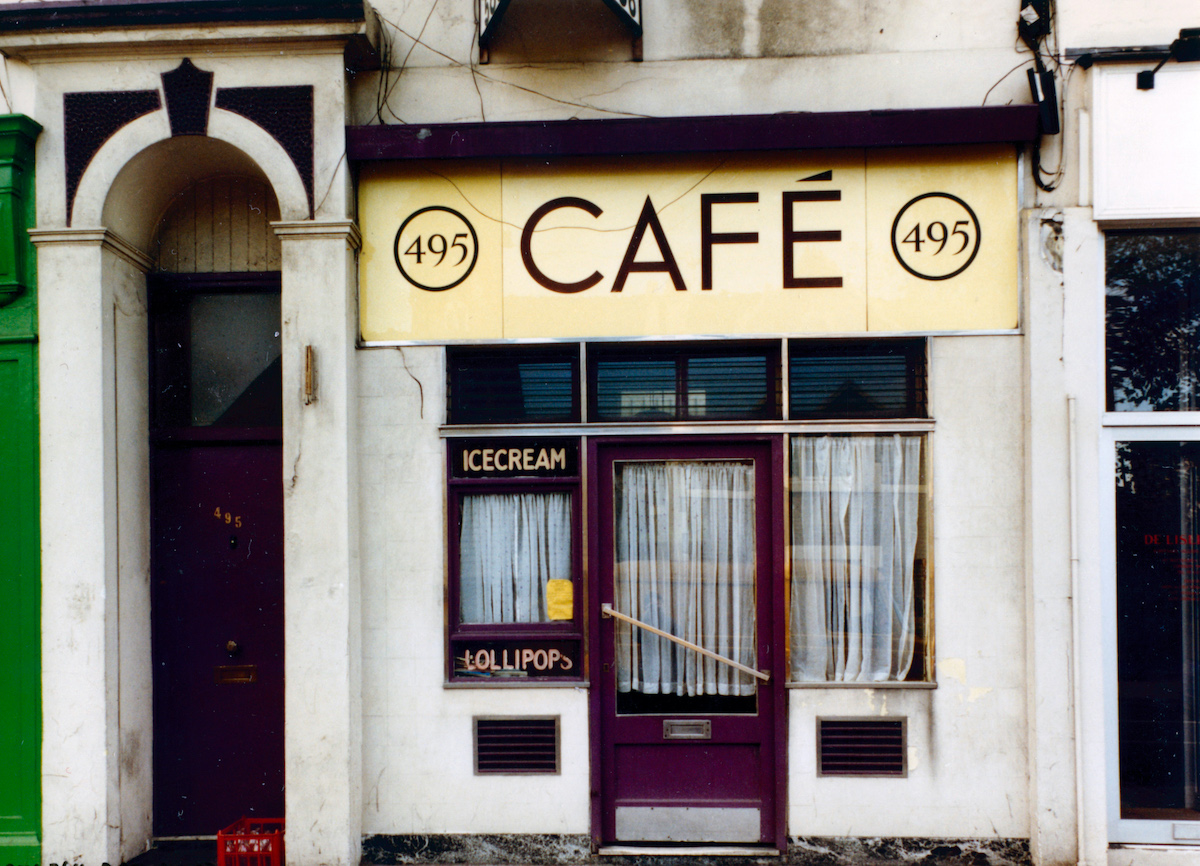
(687,729)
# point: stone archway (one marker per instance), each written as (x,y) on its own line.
(99,209)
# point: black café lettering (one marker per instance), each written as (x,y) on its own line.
(648,219)
(513,459)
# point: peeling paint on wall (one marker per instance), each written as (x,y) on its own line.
(955,669)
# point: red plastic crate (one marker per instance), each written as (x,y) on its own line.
(251,842)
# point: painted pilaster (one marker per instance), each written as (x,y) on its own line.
(20,675)
(322,632)
(1048,548)
(1083,346)
(89,292)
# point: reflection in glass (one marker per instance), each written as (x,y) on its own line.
(685,564)
(679,382)
(857,378)
(635,388)
(235,341)
(217,360)
(1158,627)
(519,386)
(1152,315)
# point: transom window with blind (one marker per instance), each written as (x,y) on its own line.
(853,419)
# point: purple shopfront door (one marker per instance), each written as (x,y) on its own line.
(688,748)
(217,553)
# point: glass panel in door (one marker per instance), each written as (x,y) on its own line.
(685,564)
(1158,628)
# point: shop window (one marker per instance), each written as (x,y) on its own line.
(514,559)
(683,382)
(858,558)
(856,379)
(1152,353)
(1152,320)
(534,385)
(1158,628)
(514,554)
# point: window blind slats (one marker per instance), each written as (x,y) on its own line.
(526,387)
(679,382)
(860,379)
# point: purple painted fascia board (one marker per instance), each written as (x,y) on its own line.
(793,131)
(100,14)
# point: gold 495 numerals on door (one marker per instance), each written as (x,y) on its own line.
(227,517)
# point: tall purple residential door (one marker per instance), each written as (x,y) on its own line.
(216,551)
(688,666)
(218,635)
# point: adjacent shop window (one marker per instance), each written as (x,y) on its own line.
(856,379)
(1152,316)
(684,382)
(1158,628)
(1152,349)
(534,385)
(514,556)
(858,539)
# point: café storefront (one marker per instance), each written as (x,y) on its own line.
(688,443)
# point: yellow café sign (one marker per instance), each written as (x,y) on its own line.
(735,245)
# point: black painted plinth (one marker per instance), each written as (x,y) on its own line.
(547,850)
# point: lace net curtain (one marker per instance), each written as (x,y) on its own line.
(855,501)
(685,563)
(510,545)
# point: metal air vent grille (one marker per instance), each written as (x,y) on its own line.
(862,747)
(516,745)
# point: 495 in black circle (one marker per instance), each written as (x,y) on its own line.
(935,236)
(436,248)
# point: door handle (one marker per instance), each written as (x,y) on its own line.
(233,648)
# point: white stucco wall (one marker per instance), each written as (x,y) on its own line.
(711,58)
(967,747)
(966,739)
(1112,23)
(418,775)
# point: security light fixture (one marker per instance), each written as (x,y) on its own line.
(1185,49)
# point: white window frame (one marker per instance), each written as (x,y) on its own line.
(1138,426)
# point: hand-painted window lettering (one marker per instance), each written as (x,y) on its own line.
(524,659)
(500,458)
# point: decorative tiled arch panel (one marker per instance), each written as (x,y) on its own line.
(92,118)
(284,112)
